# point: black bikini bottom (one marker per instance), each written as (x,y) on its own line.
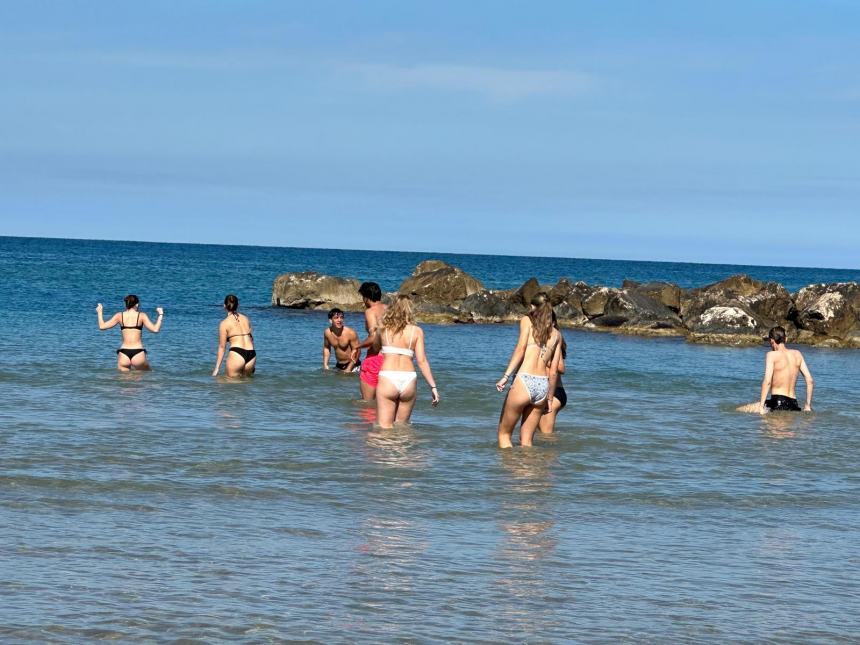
(131,353)
(247,354)
(782,402)
(561,395)
(343,366)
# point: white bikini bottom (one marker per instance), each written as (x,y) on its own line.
(398,378)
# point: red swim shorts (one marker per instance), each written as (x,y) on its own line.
(370,367)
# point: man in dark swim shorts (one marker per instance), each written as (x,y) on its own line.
(343,340)
(781,369)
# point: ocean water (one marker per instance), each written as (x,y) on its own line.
(173,507)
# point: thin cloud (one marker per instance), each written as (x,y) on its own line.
(495,82)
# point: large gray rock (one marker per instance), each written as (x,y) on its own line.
(489,307)
(727,319)
(310,290)
(769,302)
(595,303)
(829,309)
(440,283)
(637,310)
(570,293)
(663,292)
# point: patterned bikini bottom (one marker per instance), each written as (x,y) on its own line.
(537,386)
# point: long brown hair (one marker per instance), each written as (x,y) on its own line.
(541,317)
(398,315)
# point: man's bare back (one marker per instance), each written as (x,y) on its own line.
(782,366)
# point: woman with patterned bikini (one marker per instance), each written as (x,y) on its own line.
(131,354)
(235,329)
(535,359)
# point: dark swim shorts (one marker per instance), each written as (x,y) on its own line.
(778,403)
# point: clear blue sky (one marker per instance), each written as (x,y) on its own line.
(708,132)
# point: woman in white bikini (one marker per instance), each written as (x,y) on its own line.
(131,354)
(402,340)
(236,330)
(535,359)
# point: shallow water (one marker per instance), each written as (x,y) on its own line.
(172,506)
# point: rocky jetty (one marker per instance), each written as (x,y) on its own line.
(736,311)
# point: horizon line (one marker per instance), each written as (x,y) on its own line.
(377,250)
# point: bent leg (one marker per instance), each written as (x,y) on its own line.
(752,408)
(368,392)
(386,403)
(407,403)
(530,423)
(513,407)
(546,425)
(234,365)
(139,361)
(123,364)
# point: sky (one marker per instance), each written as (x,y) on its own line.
(668,130)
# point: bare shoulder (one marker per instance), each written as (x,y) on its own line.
(795,353)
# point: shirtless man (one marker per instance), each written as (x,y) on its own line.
(781,368)
(370,366)
(343,339)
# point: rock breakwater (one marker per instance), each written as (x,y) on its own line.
(736,311)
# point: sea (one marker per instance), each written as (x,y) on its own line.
(174,507)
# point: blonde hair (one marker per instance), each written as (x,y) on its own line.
(541,317)
(398,315)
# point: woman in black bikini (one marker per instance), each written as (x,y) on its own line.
(131,354)
(559,398)
(236,330)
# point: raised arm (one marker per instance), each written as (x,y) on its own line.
(519,353)
(766,381)
(222,345)
(148,323)
(326,349)
(110,323)
(424,366)
(807,376)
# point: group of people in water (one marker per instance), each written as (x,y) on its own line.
(387,373)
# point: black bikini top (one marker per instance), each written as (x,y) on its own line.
(138,325)
(236,335)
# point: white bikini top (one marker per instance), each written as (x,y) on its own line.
(403,351)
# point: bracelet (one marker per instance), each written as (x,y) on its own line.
(434,388)
(507,376)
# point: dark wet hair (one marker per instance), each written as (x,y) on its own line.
(541,317)
(777,335)
(371,291)
(231,302)
(131,300)
(334,311)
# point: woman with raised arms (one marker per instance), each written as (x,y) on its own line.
(535,360)
(131,354)
(236,330)
(402,340)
